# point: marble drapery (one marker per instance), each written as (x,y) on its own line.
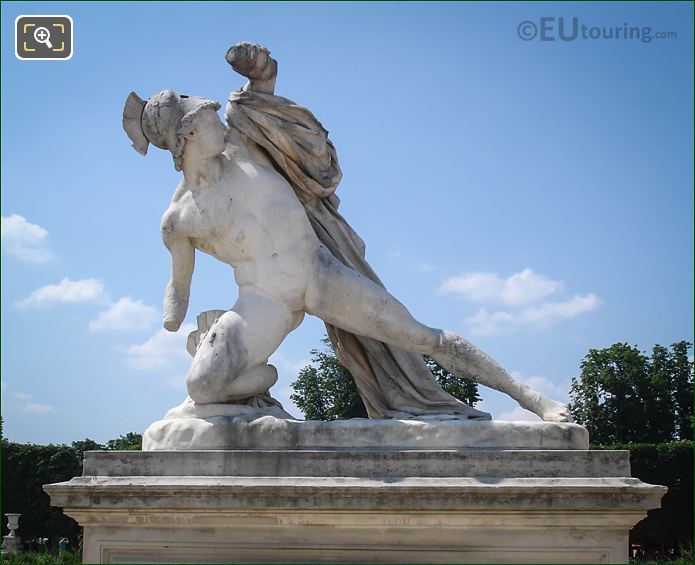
(392,382)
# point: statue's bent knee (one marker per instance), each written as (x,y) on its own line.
(220,370)
(221,357)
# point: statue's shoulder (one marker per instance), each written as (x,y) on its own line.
(179,193)
(171,224)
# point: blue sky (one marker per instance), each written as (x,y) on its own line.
(534,196)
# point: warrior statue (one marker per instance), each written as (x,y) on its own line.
(259,195)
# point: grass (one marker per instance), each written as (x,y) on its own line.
(41,558)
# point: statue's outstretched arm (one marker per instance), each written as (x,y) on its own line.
(255,63)
(179,288)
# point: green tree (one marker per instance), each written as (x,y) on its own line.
(86,444)
(661,421)
(129,442)
(465,390)
(326,390)
(682,382)
(669,464)
(623,395)
(27,467)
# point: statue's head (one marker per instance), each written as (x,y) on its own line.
(166,120)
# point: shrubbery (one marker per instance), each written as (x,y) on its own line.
(644,403)
(669,464)
(27,467)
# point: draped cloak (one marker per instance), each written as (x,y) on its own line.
(392,382)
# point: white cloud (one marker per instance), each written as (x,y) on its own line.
(37,408)
(526,287)
(66,292)
(557,390)
(518,289)
(126,314)
(286,365)
(531,317)
(24,240)
(427,267)
(518,414)
(479,287)
(28,404)
(551,311)
(164,350)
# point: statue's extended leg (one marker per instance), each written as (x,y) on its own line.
(459,356)
(349,300)
(231,362)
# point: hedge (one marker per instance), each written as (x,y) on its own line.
(669,464)
(25,469)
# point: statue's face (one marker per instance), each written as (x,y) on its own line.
(208,133)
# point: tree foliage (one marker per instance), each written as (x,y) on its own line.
(326,390)
(27,467)
(623,395)
(129,442)
(669,464)
(465,390)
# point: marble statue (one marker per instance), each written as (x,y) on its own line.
(259,194)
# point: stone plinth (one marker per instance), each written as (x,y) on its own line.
(360,505)
(11,544)
(225,426)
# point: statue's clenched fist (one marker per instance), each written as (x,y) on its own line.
(252,61)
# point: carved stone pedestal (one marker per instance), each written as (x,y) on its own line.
(368,505)
(11,544)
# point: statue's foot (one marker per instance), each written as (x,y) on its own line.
(230,388)
(553,411)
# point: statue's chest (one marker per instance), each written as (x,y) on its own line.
(210,215)
(219,224)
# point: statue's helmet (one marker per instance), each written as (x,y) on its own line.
(161,120)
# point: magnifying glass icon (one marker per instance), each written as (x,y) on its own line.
(42,35)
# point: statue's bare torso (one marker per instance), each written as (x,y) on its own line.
(250,219)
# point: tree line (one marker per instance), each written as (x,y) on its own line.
(623,395)
(26,467)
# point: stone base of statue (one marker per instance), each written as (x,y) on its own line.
(192,426)
(11,544)
(363,504)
